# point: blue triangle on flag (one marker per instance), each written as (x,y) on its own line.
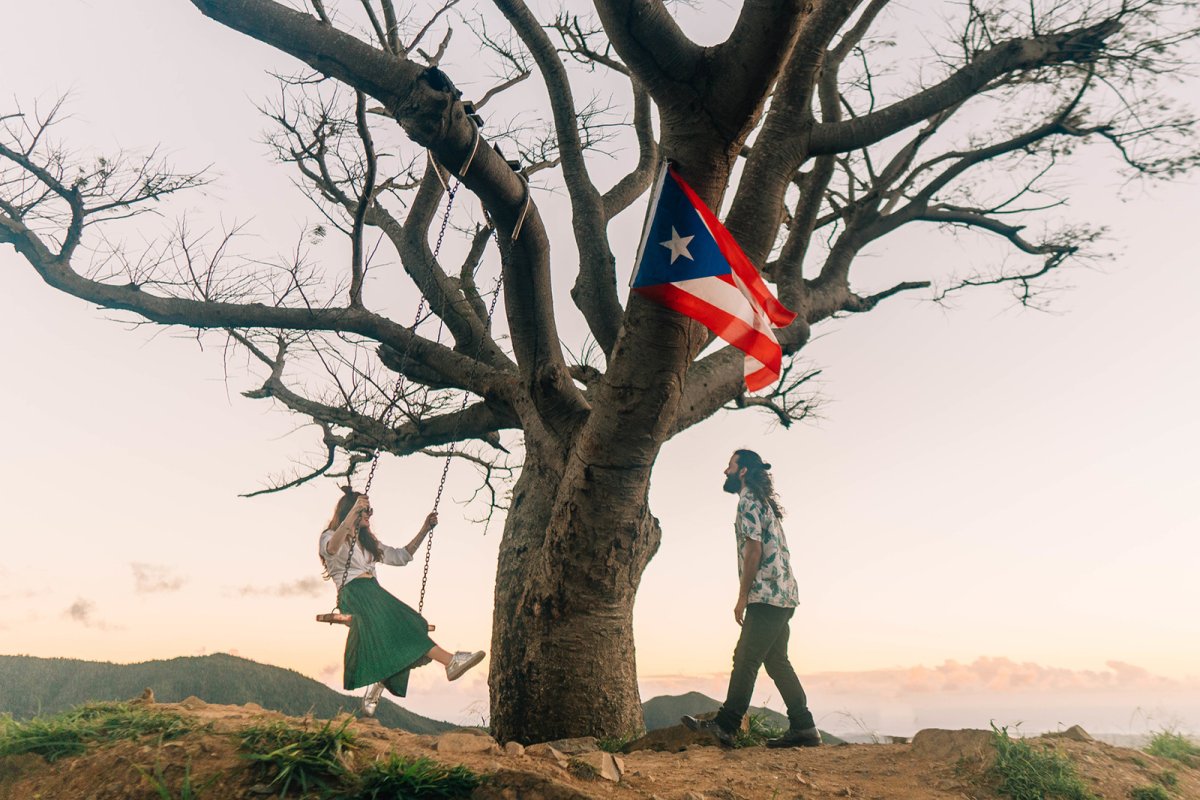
(678,246)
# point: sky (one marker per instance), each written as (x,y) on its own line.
(992,516)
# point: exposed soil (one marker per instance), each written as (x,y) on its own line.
(949,764)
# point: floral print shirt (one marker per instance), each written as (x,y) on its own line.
(774,585)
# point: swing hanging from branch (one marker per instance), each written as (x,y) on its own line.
(336,617)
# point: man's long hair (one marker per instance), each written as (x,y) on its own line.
(758,479)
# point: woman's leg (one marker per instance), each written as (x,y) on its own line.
(439,655)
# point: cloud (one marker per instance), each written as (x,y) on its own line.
(983,675)
(994,675)
(83,612)
(304,587)
(148,578)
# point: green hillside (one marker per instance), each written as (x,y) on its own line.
(31,686)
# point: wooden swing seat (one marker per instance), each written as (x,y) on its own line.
(344,619)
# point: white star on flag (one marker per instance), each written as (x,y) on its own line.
(678,245)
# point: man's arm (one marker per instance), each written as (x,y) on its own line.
(751,557)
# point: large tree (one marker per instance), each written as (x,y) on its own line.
(822,144)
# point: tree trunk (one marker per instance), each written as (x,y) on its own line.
(573,554)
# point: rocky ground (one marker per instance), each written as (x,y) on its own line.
(937,764)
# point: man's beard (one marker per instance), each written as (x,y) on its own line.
(733,484)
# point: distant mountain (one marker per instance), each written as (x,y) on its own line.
(665,711)
(31,686)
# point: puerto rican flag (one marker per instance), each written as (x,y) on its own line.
(689,263)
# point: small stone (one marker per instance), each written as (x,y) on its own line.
(514,749)
(1077,733)
(459,742)
(546,751)
(192,703)
(252,707)
(573,747)
(145,698)
(693,796)
(607,766)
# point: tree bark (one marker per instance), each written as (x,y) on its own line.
(563,660)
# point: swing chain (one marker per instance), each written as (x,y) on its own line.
(450,453)
(397,390)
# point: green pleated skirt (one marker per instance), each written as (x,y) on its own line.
(386,639)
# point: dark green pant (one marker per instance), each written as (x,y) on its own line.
(763,643)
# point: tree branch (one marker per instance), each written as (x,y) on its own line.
(1080,46)
(595,290)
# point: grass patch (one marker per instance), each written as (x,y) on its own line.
(1175,746)
(70,732)
(304,759)
(615,744)
(758,731)
(1151,792)
(188,789)
(414,779)
(1024,772)
(1168,778)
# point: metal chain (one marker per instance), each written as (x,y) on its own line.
(397,390)
(453,439)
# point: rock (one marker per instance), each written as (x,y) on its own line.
(1075,733)
(472,732)
(460,742)
(514,749)
(573,747)
(511,784)
(675,739)
(252,707)
(192,703)
(606,765)
(693,796)
(546,751)
(951,746)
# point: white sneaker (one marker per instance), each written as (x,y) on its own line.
(370,700)
(461,662)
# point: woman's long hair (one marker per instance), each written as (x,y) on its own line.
(758,479)
(366,539)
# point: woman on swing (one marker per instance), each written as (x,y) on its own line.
(387,638)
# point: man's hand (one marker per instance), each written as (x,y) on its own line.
(739,611)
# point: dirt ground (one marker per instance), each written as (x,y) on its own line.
(946,764)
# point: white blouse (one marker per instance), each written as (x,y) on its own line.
(362,562)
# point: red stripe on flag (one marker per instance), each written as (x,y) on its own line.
(779,314)
(754,343)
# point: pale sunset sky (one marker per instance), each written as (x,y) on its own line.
(994,514)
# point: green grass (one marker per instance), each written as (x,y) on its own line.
(1175,746)
(303,759)
(1151,792)
(759,730)
(1168,778)
(413,779)
(188,790)
(615,744)
(1024,772)
(70,732)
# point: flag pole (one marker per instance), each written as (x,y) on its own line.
(653,207)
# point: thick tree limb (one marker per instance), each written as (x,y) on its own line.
(595,290)
(1078,46)
(431,116)
(455,369)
